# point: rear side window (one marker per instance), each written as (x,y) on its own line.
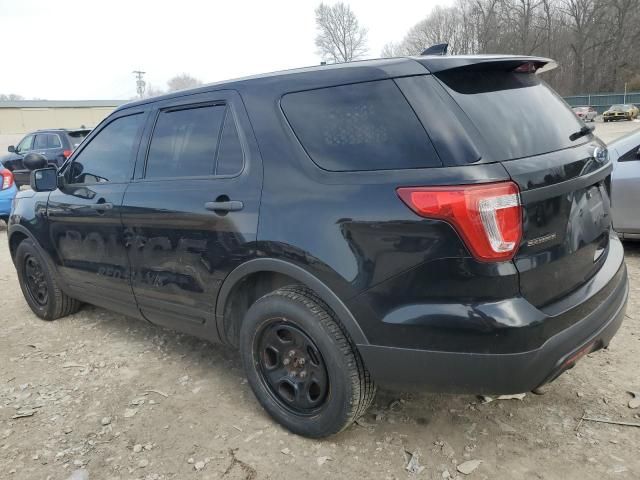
(517,114)
(53,141)
(185,142)
(365,126)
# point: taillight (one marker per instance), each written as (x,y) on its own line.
(67,153)
(7,179)
(488,217)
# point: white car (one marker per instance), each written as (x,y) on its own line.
(625,185)
(588,114)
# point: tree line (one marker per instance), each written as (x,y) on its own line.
(595,42)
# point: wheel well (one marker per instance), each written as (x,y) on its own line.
(244,294)
(15,240)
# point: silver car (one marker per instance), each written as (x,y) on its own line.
(586,114)
(625,185)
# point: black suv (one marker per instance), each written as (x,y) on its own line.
(54,144)
(431,222)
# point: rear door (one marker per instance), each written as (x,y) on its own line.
(515,119)
(50,146)
(626,189)
(191,215)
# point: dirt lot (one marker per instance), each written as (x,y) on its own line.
(101,396)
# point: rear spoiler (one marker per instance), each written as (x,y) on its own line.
(439,63)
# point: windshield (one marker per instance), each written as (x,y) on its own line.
(76,137)
(619,107)
(517,114)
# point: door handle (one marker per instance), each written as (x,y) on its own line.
(102,207)
(226,206)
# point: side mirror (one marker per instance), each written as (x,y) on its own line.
(44,179)
(592,127)
(11,149)
(35,161)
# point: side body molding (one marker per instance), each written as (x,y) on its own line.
(299,274)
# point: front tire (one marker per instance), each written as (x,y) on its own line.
(39,286)
(302,365)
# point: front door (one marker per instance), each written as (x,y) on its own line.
(85,216)
(191,216)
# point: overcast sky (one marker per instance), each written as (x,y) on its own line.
(72,49)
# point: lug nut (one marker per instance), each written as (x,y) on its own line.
(291,353)
(301,361)
(286,361)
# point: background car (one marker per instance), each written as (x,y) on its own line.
(55,144)
(620,112)
(625,188)
(588,114)
(7,193)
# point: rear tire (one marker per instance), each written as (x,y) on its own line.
(39,285)
(291,331)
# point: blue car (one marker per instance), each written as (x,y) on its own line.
(8,191)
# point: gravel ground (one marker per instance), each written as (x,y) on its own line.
(100,396)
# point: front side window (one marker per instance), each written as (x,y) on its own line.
(26,144)
(41,141)
(365,126)
(633,154)
(110,154)
(185,142)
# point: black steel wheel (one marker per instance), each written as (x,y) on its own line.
(39,285)
(36,282)
(291,367)
(301,364)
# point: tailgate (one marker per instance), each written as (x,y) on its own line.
(566,221)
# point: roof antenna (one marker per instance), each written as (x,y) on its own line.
(438,49)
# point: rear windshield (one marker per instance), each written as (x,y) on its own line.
(364,126)
(517,114)
(76,137)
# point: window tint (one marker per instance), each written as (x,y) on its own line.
(53,141)
(633,154)
(109,155)
(366,126)
(41,141)
(184,142)
(25,144)
(230,156)
(517,114)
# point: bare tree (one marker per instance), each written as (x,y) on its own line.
(182,81)
(340,36)
(594,41)
(11,97)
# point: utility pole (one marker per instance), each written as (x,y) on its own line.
(140,83)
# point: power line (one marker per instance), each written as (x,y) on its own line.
(140,83)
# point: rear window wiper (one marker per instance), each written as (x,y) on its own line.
(581,133)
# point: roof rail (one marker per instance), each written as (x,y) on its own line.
(437,49)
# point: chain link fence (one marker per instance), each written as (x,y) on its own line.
(602,101)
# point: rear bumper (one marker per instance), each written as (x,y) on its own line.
(516,372)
